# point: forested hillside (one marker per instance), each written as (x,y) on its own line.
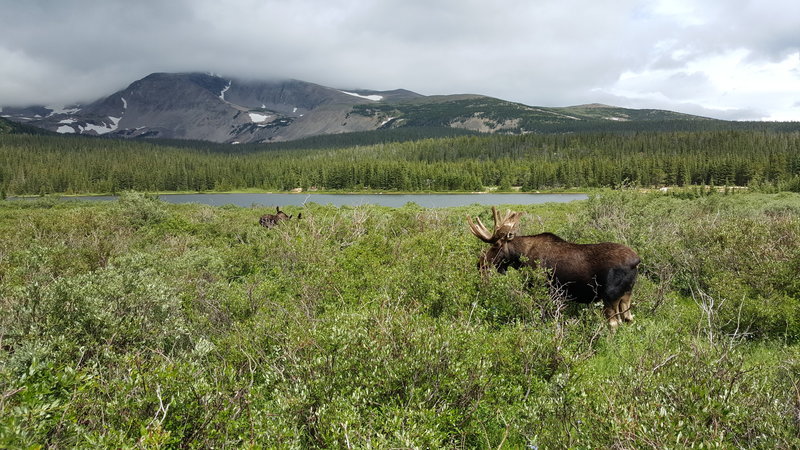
(11,127)
(55,164)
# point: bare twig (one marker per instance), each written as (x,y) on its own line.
(163,410)
(664,363)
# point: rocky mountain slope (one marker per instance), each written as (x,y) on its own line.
(210,107)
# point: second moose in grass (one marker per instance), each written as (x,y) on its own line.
(270,220)
(586,273)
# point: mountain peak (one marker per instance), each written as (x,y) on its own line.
(207,106)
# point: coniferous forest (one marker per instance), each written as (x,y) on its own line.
(35,165)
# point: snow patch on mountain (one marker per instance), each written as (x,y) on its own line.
(64,129)
(555,113)
(225,89)
(124,103)
(259,118)
(105,128)
(374,98)
(61,110)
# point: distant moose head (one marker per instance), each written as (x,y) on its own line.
(270,220)
(586,272)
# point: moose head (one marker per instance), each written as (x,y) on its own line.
(585,272)
(270,220)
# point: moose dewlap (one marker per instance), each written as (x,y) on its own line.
(586,273)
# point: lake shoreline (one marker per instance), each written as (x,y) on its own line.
(492,191)
(270,200)
(327,192)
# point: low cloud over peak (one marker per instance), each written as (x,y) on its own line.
(716,56)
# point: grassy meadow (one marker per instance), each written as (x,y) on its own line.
(138,323)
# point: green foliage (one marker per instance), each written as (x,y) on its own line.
(141,323)
(140,209)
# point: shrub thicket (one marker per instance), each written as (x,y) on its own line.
(142,323)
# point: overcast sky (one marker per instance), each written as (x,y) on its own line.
(730,59)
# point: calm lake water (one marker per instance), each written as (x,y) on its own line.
(391,200)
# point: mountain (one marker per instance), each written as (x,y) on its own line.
(209,107)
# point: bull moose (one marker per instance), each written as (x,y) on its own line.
(270,220)
(586,272)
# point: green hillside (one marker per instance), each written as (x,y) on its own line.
(491,115)
(612,113)
(6,126)
(508,117)
(11,127)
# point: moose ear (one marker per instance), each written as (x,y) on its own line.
(277,209)
(299,215)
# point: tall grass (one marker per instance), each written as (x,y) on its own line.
(139,323)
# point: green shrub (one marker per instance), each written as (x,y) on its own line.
(139,209)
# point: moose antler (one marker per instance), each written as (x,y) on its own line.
(503,226)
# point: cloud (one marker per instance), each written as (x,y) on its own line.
(549,52)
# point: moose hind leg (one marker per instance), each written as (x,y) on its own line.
(625,307)
(619,284)
(612,313)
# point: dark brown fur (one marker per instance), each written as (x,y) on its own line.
(585,272)
(270,220)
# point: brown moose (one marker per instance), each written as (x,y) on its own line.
(586,272)
(270,220)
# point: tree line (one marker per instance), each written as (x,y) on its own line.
(33,165)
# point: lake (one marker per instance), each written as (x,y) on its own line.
(391,200)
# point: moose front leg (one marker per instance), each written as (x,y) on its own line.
(612,313)
(625,307)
